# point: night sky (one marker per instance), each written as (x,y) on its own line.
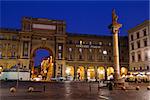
(87,17)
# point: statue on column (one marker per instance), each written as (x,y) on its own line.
(115,25)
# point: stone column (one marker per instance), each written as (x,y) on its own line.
(116,55)
(95,69)
(105,72)
(85,73)
(75,73)
(115,29)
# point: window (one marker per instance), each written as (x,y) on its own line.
(13,54)
(70,57)
(132,46)
(144,32)
(59,56)
(27,27)
(109,51)
(90,57)
(80,42)
(146,56)
(145,42)
(70,41)
(13,46)
(100,57)
(100,50)
(139,57)
(80,57)
(121,59)
(100,43)
(137,35)
(109,44)
(109,58)
(90,50)
(138,44)
(59,47)
(131,37)
(25,48)
(60,29)
(147,67)
(133,58)
(14,37)
(1,46)
(80,50)
(70,49)
(1,37)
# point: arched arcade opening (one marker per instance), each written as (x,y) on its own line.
(42,63)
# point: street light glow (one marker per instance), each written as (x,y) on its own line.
(105,52)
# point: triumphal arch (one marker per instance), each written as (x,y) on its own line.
(36,33)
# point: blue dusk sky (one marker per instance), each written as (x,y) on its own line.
(84,17)
(87,17)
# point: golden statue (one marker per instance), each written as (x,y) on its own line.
(114,17)
(47,68)
(115,25)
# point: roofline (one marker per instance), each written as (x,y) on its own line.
(91,35)
(42,19)
(9,30)
(139,26)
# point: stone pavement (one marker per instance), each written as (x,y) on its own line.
(70,91)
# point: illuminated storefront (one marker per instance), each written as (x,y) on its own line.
(123,71)
(101,73)
(80,73)
(110,73)
(91,73)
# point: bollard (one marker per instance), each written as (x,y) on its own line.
(30,89)
(148,87)
(137,87)
(12,89)
(110,86)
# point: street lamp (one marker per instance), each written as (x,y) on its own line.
(105,53)
(18,74)
(1,69)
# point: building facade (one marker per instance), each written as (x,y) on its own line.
(79,56)
(139,48)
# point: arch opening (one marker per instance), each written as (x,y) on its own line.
(101,73)
(42,64)
(69,73)
(80,73)
(90,73)
(110,73)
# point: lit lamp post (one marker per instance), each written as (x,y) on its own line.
(18,74)
(114,27)
(105,53)
(1,69)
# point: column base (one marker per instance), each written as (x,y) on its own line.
(119,83)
